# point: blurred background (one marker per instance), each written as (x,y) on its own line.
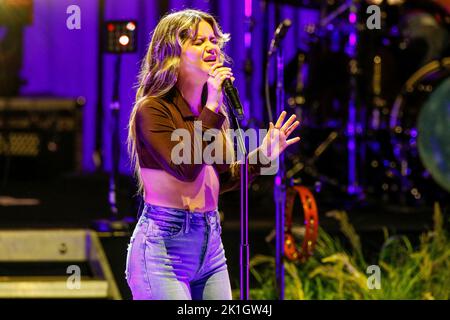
(368,80)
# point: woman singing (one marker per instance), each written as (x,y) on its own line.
(176,250)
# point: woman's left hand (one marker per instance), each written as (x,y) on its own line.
(275,141)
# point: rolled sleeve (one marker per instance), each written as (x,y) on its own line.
(211,119)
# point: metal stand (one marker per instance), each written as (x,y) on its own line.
(244,245)
(280,181)
(114,223)
(98,155)
(353,126)
(280,186)
(115,141)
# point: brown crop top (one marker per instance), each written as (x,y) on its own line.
(157,118)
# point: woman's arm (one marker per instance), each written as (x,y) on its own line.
(154,128)
(273,144)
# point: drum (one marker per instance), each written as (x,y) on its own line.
(420,133)
(413,34)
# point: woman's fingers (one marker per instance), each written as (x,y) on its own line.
(212,70)
(280,120)
(292,141)
(223,74)
(288,123)
(215,71)
(291,129)
(270,133)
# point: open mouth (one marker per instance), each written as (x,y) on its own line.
(210,59)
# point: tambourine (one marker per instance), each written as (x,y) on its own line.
(311,222)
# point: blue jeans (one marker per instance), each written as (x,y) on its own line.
(175,254)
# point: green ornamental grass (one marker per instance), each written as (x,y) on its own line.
(335,273)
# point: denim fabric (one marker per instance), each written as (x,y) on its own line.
(175,254)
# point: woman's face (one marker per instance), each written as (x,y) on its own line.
(200,54)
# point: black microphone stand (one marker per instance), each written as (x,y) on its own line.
(280,186)
(114,223)
(244,245)
(279,191)
(115,142)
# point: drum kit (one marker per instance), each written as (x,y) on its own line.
(388,102)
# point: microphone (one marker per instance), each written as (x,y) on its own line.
(279,35)
(232,95)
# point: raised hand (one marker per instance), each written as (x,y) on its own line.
(275,141)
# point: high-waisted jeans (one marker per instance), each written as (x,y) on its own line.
(176,254)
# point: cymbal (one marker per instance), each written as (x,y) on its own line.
(434,134)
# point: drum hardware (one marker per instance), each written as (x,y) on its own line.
(424,95)
(300,164)
(389,61)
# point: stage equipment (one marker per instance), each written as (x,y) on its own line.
(280,181)
(120,36)
(420,131)
(40,137)
(120,39)
(346,85)
(311,224)
(53,263)
(235,113)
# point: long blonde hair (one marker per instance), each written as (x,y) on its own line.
(160,68)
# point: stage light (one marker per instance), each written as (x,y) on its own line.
(124,40)
(131,26)
(120,36)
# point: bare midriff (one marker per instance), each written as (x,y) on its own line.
(163,189)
